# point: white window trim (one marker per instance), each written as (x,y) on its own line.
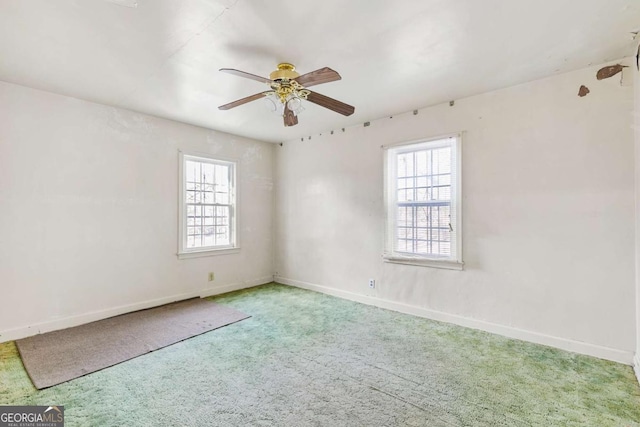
(412,259)
(183,251)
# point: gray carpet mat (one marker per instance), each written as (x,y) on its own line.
(55,357)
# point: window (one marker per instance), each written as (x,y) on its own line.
(423,203)
(207,205)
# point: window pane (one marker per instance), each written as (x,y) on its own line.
(423,233)
(222,197)
(421,163)
(402,165)
(208,195)
(207,173)
(192,170)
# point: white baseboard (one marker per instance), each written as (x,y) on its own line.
(636,366)
(217,290)
(594,350)
(81,319)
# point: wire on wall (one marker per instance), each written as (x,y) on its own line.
(367,124)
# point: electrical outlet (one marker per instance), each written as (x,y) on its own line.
(211,277)
(372,283)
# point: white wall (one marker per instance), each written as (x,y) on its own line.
(88,212)
(548,215)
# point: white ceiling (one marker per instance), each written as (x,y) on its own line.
(162,57)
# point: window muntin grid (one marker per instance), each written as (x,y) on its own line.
(423,197)
(208,204)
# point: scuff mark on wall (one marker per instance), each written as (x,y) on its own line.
(213,142)
(126,3)
(583,91)
(261,183)
(127,125)
(609,71)
(252,154)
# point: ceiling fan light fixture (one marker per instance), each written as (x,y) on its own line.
(270,103)
(295,104)
(273,104)
(299,110)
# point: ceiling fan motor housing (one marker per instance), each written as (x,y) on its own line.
(285,71)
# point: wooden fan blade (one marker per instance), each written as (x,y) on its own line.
(331,104)
(323,75)
(245,75)
(241,101)
(290,119)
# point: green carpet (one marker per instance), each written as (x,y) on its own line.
(307,359)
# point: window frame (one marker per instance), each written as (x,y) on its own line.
(234,246)
(453,262)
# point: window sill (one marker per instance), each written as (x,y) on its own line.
(425,262)
(208,252)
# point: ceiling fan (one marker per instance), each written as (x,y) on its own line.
(289,89)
